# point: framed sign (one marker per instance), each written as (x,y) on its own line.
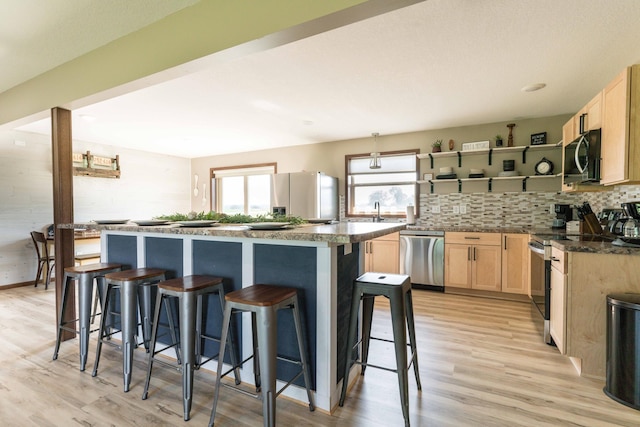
(538,138)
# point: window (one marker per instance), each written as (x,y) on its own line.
(393,185)
(242,189)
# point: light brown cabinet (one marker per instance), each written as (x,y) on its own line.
(383,254)
(473,260)
(515,263)
(558,309)
(621,129)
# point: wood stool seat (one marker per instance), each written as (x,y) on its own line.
(129,283)
(189,291)
(261,295)
(263,302)
(85,276)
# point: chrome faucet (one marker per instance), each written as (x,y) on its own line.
(378,218)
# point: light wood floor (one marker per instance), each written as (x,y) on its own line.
(482,363)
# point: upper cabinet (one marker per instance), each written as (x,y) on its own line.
(621,128)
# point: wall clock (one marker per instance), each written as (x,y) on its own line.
(544,167)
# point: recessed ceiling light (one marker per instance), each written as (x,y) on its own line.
(534,87)
(88,118)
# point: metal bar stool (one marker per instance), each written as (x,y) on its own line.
(189,291)
(397,288)
(84,275)
(130,283)
(264,301)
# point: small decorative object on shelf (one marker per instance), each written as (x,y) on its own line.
(498,140)
(538,138)
(451,145)
(436,146)
(510,138)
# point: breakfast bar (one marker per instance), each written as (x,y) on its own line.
(321,261)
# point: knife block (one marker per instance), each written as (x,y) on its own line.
(590,225)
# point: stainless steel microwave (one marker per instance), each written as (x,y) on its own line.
(582,159)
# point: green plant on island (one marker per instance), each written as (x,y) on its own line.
(231,219)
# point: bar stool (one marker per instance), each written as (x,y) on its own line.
(263,302)
(130,283)
(189,291)
(397,288)
(84,275)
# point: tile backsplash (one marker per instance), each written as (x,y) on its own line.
(529,209)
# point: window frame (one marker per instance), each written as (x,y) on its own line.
(215,193)
(348,208)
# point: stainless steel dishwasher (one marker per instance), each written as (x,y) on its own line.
(422,257)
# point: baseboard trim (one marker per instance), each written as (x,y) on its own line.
(18,285)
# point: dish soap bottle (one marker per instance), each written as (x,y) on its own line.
(630,228)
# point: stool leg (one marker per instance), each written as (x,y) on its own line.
(256,353)
(367,317)
(152,345)
(85,292)
(226,320)
(303,353)
(267,346)
(232,346)
(129,322)
(351,338)
(412,336)
(63,306)
(103,325)
(398,317)
(187,347)
(145,304)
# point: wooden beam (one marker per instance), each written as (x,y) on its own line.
(62,162)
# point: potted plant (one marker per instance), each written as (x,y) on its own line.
(498,140)
(436,146)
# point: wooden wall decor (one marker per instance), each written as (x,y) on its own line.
(87,164)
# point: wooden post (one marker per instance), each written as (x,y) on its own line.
(62,163)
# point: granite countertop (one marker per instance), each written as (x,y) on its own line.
(478,229)
(340,233)
(594,247)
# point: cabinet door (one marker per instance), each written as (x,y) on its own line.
(486,269)
(594,113)
(384,256)
(515,263)
(614,167)
(558,309)
(457,265)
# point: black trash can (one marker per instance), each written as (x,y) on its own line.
(623,349)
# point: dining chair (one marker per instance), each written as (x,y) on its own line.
(44,259)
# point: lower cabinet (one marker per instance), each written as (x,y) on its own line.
(383,254)
(558,309)
(473,260)
(515,263)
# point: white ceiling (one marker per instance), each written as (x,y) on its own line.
(436,64)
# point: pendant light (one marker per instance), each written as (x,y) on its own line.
(375,162)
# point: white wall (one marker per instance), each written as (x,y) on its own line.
(150,185)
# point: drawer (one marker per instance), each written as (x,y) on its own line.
(473,238)
(559,260)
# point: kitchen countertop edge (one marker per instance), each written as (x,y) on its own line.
(340,233)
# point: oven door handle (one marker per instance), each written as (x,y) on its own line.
(536,249)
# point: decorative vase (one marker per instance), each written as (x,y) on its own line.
(498,143)
(436,149)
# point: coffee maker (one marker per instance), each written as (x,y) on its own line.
(564,213)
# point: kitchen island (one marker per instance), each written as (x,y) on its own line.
(321,261)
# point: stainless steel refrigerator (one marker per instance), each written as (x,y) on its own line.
(310,195)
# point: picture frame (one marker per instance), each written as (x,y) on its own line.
(427,176)
(539,138)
